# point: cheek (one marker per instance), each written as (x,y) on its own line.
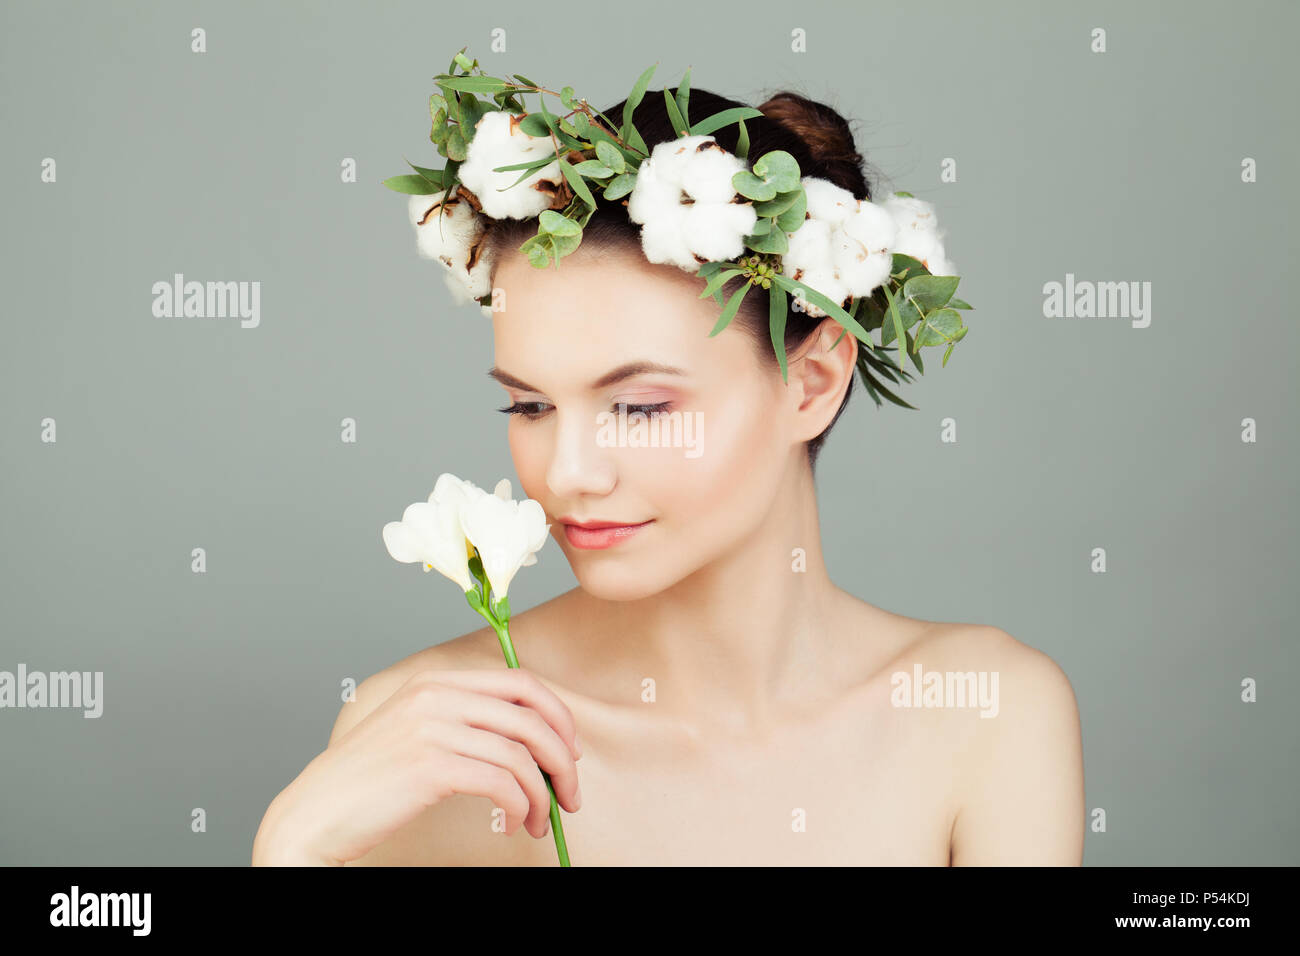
(529,451)
(727,487)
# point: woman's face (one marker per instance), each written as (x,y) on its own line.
(563,337)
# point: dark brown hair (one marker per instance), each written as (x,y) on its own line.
(813,133)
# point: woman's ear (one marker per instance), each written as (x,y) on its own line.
(821,371)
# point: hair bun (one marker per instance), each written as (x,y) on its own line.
(827,136)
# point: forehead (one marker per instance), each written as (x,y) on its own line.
(597,311)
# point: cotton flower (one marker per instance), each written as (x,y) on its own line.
(498,141)
(842,249)
(686,205)
(453,233)
(506,533)
(919,235)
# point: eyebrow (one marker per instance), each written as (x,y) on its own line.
(609,378)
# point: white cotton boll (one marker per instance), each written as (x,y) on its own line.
(809,246)
(498,141)
(912,215)
(444,232)
(826,281)
(872,225)
(862,247)
(664,239)
(717,230)
(674,156)
(928,247)
(467,286)
(919,235)
(826,201)
(862,271)
(707,176)
(651,193)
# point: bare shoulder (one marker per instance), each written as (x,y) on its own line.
(1018,763)
(467,652)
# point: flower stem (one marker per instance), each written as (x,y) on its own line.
(502,628)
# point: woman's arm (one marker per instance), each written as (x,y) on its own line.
(1023,795)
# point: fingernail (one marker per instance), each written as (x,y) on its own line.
(577,745)
(577,798)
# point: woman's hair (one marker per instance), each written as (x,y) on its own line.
(813,133)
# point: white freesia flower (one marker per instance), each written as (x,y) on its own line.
(498,141)
(843,248)
(431,532)
(685,203)
(454,234)
(919,235)
(506,533)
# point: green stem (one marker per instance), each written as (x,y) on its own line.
(502,628)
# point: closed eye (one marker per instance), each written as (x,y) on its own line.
(529,410)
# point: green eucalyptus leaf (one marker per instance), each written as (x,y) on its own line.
(752,187)
(779,204)
(620,186)
(778,168)
(474,84)
(456,147)
(411,185)
(793,218)
(555,224)
(434,176)
(576,181)
(683,96)
(719,280)
(593,169)
(633,101)
(742,141)
(938,327)
(674,114)
(729,310)
(956,303)
(833,309)
(913,352)
(905,263)
(724,118)
(774,241)
(777,311)
(930,292)
(609,156)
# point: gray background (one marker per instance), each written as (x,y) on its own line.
(1073,434)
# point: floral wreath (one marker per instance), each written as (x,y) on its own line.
(869,265)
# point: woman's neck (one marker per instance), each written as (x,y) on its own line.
(728,646)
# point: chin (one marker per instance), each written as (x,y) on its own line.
(626,583)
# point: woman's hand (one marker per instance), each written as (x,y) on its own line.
(483,732)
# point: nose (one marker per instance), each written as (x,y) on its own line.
(579,465)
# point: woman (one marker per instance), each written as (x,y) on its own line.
(706,695)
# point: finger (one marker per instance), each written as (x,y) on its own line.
(474,777)
(514,685)
(517,722)
(511,755)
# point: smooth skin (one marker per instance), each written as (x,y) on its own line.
(706,695)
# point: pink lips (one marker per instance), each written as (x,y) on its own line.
(596,537)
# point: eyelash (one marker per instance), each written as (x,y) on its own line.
(518,409)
